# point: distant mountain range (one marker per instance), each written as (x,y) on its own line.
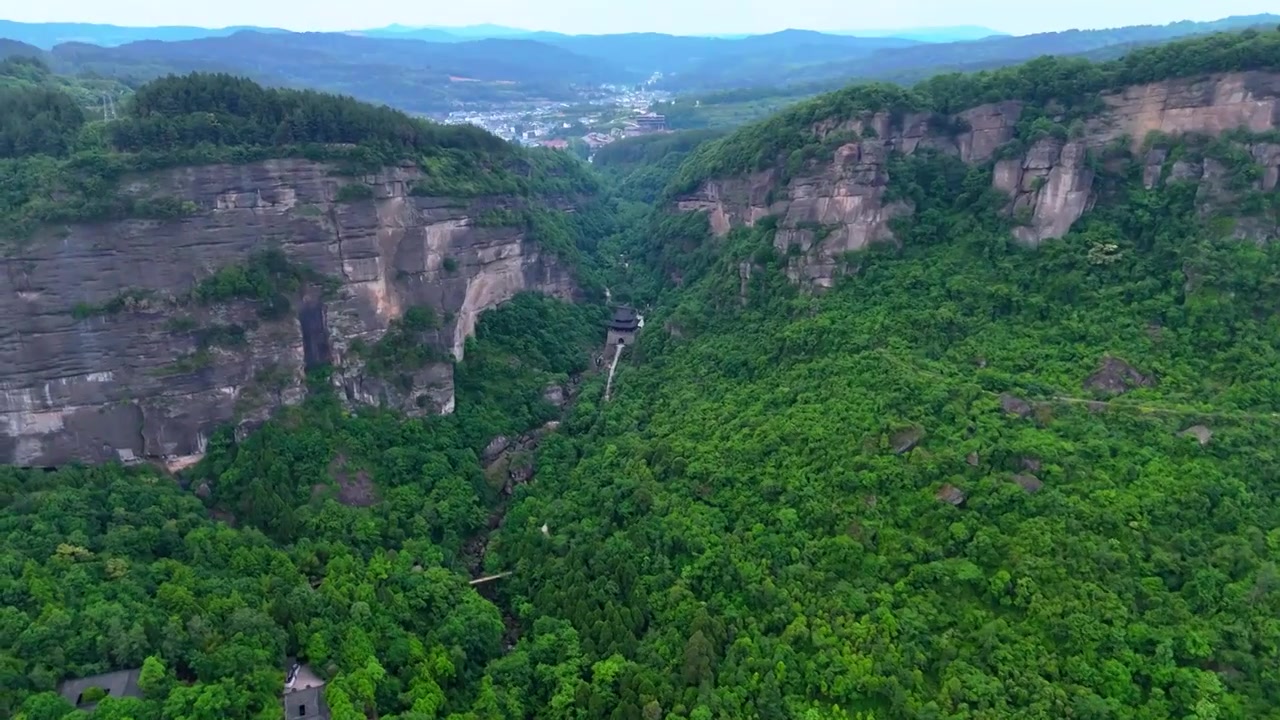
(435,69)
(47,35)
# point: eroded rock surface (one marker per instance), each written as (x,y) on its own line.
(79,388)
(840,203)
(1115,376)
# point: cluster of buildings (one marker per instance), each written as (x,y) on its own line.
(611,113)
(641,125)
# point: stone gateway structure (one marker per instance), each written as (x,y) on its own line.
(623,326)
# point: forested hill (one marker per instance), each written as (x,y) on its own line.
(53,145)
(971,479)
(978,474)
(1072,82)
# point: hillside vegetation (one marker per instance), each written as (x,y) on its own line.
(1070,82)
(56,165)
(764,523)
(972,481)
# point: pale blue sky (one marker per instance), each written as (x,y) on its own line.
(674,16)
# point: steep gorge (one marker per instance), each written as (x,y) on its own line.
(841,201)
(99,335)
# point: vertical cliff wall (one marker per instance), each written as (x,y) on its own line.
(102,350)
(841,203)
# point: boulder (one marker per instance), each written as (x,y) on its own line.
(904,441)
(951,494)
(1028,482)
(1201,433)
(1115,376)
(495,448)
(1014,405)
(972,459)
(555,395)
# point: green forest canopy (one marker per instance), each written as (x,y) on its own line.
(50,149)
(900,499)
(1065,80)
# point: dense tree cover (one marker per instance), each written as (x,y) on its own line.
(107,568)
(898,499)
(743,528)
(64,169)
(1070,81)
(42,113)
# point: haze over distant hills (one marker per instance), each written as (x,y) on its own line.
(436,69)
(47,35)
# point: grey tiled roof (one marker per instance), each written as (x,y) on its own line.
(118,684)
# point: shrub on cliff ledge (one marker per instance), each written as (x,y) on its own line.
(267,278)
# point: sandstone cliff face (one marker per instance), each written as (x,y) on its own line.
(840,205)
(85,388)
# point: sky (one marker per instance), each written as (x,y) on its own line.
(687,17)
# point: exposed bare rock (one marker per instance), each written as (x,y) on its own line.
(951,494)
(1116,376)
(1201,433)
(81,388)
(520,473)
(972,459)
(1153,167)
(839,204)
(1015,405)
(1268,156)
(733,202)
(990,127)
(1050,188)
(1028,482)
(356,488)
(744,281)
(1208,105)
(839,210)
(555,395)
(496,447)
(1031,464)
(904,441)
(204,492)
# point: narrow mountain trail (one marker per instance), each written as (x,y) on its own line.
(613,365)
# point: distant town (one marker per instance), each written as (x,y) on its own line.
(603,115)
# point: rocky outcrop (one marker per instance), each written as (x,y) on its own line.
(1050,188)
(1115,376)
(1201,433)
(84,385)
(839,210)
(841,202)
(1015,405)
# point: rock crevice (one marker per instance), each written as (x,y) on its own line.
(80,386)
(840,203)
